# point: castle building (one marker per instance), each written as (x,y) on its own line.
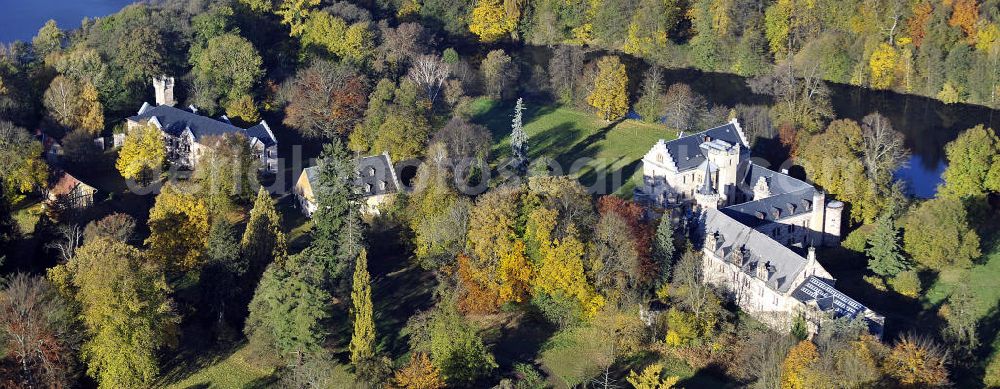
(757,224)
(186,132)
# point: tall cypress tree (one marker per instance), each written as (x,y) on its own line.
(519,139)
(263,241)
(884,254)
(363,340)
(337,228)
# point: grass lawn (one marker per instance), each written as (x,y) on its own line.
(571,136)
(981,279)
(232,371)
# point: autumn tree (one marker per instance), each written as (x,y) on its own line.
(38,332)
(21,156)
(937,234)
(499,73)
(457,350)
(142,154)
(92,111)
(429,72)
(651,378)
(226,171)
(127,312)
(62,99)
(834,160)
(324,35)
(419,373)
(242,111)
(917,361)
(325,99)
(48,40)
(494,19)
(682,107)
(798,369)
(882,64)
(228,68)
(363,339)
(883,149)
(294,14)
(565,66)
(973,164)
(610,93)
(118,227)
(651,99)
(263,241)
(965,14)
(178,229)
(962,317)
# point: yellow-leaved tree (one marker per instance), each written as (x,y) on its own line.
(142,154)
(492,19)
(650,378)
(610,94)
(561,272)
(363,340)
(883,65)
(420,373)
(797,371)
(243,111)
(92,118)
(515,274)
(178,229)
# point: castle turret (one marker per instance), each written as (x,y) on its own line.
(706,195)
(817,225)
(834,214)
(163,88)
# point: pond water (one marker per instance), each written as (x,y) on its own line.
(20,20)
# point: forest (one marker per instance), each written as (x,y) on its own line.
(491,269)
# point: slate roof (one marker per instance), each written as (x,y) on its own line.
(784,264)
(789,196)
(827,298)
(376,176)
(686,151)
(174,121)
(774,208)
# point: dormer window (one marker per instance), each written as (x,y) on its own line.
(760,215)
(791,207)
(806,204)
(368,188)
(381,185)
(371,170)
(776,212)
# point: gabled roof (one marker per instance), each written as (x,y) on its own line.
(827,298)
(749,173)
(731,236)
(376,175)
(686,151)
(66,183)
(175,121)
(774,208)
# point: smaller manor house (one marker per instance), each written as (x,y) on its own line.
(376,180)
(758,224)
(185,131)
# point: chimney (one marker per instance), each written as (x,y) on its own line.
(811,255)
(163,87)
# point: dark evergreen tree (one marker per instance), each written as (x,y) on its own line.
(263,241)
(337,228)
(663,247)
(289,308)
(223,298)
(885,257)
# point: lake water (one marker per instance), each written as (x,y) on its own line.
(21,19)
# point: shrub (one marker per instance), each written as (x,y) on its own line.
(906,283)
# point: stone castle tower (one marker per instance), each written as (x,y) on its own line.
(163,87)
